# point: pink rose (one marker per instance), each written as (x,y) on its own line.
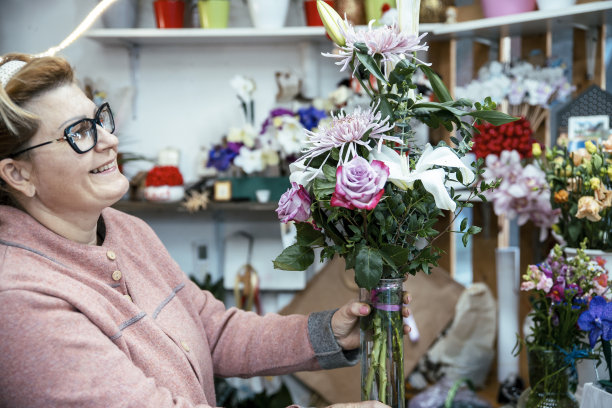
(359,184)
(294,204)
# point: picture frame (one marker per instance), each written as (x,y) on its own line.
(583,128)
(222,190)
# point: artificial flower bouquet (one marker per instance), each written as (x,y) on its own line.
(568,298)
(363,191)
(164,183)
(581,188)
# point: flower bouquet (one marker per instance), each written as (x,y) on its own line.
(361,190)
(523,193)
(581,188)
(164,183)
(561,289)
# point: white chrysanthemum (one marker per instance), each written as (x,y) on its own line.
(386,41)
(348,131)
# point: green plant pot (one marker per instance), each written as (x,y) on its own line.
(214,13)
(373,8)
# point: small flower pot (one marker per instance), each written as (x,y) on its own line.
(374,8)
(554,4)
(312,14)
(169,13)
(214,13)
(496,8)
(164,194)
(268,14)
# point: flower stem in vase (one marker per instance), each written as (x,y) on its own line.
(382,345)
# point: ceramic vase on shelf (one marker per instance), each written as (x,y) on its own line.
(382,344)
(374,8)
(214,13)
(497,8)
(549,382)
(312,14)
(169,13)
(554,4)
(353,9)
(268,14)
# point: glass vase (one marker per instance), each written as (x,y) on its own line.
(549,380)
(382,344)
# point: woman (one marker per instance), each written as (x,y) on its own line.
(95,313)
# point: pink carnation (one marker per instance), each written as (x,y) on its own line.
(359,184)
(294,204)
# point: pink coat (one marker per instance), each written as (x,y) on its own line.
(120,325)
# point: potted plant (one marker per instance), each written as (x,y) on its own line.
(214,13)
(169,13)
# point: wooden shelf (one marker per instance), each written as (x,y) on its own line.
(132,207)
(581,15)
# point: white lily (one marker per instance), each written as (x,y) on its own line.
(432,179)
(303,174)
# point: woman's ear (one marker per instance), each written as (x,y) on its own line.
(17,175)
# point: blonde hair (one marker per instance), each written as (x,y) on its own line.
(37,76)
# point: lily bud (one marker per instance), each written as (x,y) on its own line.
(332,22)
(536,150)
(408,12)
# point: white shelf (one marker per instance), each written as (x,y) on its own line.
(534,22)
(582,15)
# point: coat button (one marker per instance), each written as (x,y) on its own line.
(185,346)
(111,255)
(116,275)
(128,297)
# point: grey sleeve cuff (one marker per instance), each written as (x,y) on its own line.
(327,350)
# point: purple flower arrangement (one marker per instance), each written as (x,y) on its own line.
(568,298)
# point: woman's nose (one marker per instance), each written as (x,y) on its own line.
(106,139)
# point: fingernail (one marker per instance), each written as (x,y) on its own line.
(364,310)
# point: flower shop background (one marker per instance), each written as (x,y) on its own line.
(179,96)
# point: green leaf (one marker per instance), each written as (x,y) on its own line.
(399,255)
(493,117)
(323,188)
(294,258)
(368,267)
(438,86)
(329,172)
(308,236)
(463,224)
(371,65)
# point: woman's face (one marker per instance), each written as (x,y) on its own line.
(68,183)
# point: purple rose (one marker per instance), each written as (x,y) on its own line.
(294,204)
(359,184)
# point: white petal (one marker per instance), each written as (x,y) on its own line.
(433,181)
(445,157)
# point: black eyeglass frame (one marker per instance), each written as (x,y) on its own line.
(95,121)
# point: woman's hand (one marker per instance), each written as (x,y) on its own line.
(363,404)
(345,322)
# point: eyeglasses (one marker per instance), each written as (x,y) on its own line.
(82,135)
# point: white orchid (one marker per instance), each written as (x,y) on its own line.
(244,87)
(432,178)
(250,161)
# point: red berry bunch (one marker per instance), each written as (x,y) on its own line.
(511,136)
(164,176)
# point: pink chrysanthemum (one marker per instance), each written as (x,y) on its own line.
(386,41)
(348,131)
